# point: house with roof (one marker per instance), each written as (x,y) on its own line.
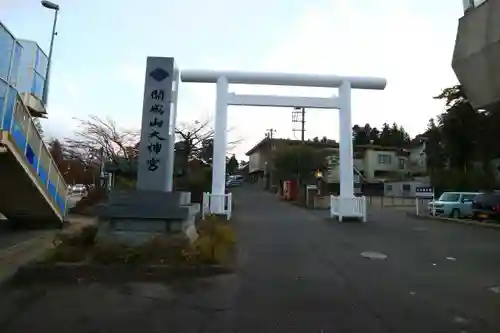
(373,164)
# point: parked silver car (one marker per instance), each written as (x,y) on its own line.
(234,180)
(453,204)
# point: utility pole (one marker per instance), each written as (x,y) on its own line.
(270,132)
(55,8)
(303,129)
(299,116)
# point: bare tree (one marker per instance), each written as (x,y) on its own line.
(192,137)
(196,140)
(97,139)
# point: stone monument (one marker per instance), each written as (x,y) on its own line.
(153,208)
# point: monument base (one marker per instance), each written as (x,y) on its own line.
(134,217)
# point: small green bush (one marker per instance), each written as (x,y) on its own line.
(161,250)
(216,240)
(166,249)
(85,238)
(68,254)
(111,252)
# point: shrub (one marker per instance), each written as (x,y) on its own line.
(167,249)
(111,252)
(163,250)
(84,239)
(72,247)
(213,246)
(216,240)
(68,253)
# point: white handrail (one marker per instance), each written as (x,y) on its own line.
(228,204)
(348,207)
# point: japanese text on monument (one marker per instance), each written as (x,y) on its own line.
(155,140)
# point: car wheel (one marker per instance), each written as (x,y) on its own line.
(455,213)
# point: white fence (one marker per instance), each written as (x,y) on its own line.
(227,200)
(348,207)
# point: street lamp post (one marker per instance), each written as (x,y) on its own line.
(55,7)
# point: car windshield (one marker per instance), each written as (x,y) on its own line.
(451,197)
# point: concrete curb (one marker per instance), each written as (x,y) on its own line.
(35,273)
(460,221)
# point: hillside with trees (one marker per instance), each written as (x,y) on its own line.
(388,135)
(462,144)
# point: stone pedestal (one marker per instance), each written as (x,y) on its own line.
(137,216)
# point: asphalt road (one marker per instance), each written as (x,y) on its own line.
(298,272)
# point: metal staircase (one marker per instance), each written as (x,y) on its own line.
(32,190)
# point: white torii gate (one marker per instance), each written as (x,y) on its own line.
(342,102)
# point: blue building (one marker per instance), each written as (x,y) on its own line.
(10,57)
(23,69)
(32,69)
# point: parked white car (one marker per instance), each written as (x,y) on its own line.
(78,189)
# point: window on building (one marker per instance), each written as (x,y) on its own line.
(6,45)
(406,187)
(402,163)
(41,61)
(384,159)
(3,94)
(469,4)
(37,86)
(389,188)
(14,74)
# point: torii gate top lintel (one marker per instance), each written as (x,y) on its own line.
(283,79)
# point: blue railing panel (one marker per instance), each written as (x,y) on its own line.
(9,109)
(30,155)
(52,189)
(43,175)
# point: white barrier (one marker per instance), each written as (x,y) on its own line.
(226,198)
(348,207)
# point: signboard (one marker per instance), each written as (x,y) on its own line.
(424,192)
(153,172)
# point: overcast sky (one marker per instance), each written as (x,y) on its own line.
(101,49)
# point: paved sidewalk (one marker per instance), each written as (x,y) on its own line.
(22,247)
